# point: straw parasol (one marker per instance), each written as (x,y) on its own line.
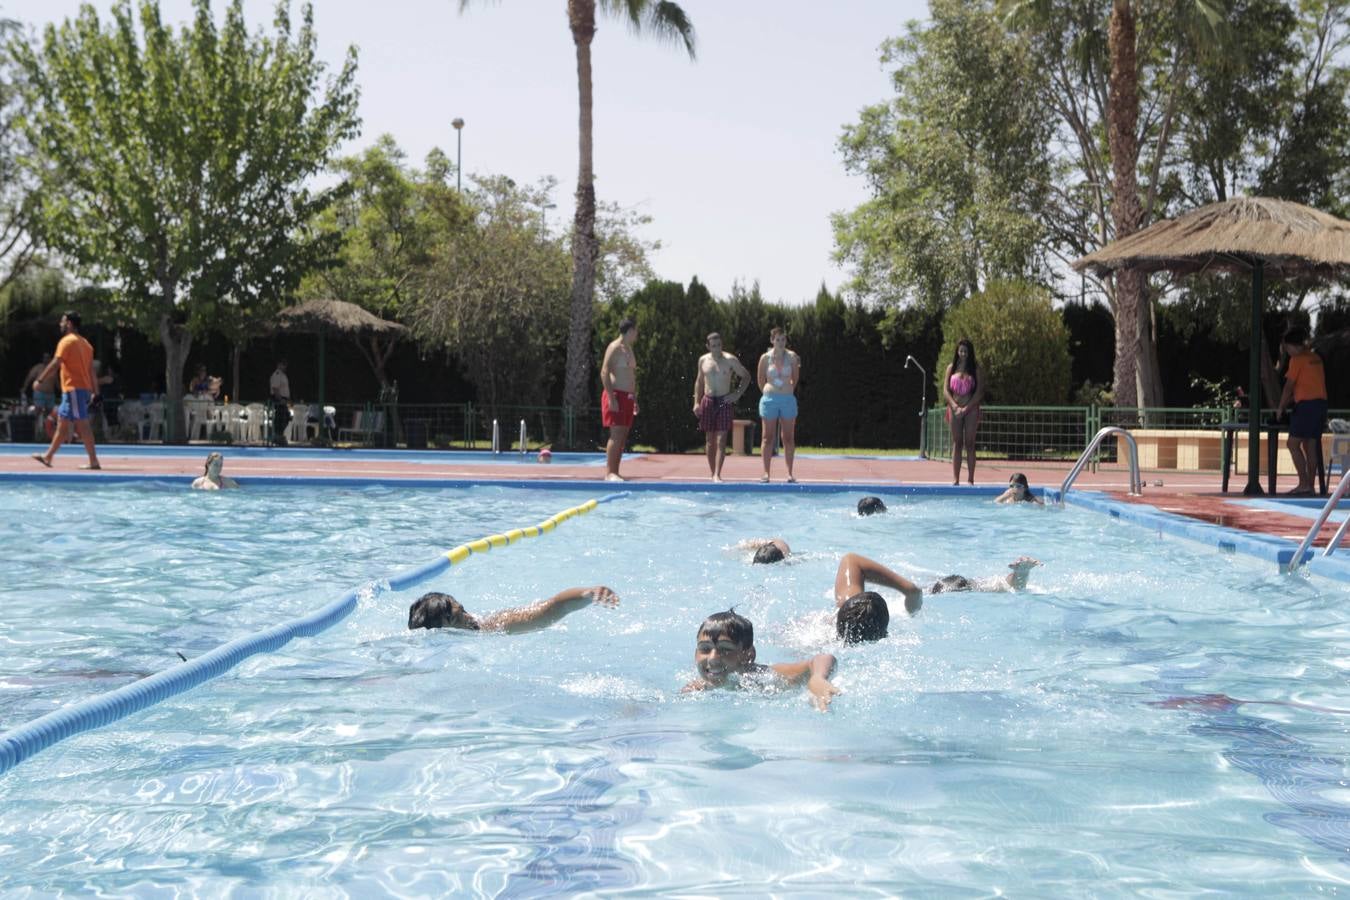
(1259,235)
(325,317)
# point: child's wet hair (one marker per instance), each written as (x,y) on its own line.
(730,625)
(951,583)
(437,610)
(863,617)
(1019,478)
(768,553)
(868,506)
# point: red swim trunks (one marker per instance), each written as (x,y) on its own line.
(715,413)
(621,417)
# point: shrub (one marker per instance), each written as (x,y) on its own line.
(1020,341)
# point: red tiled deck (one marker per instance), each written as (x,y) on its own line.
(1193,494)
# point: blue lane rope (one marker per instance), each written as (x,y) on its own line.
(22,742)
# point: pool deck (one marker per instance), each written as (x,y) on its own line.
(1192,494)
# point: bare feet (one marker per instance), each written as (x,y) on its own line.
(614,476)
(42,459)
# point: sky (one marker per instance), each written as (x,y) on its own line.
(734,155)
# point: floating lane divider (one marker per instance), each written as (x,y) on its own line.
(22,742)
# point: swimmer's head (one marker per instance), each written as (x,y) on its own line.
(951,584)
(863,617)
(214,461)
(769,553)
(1019,480)
(726,645)
(437,610)
(868,506)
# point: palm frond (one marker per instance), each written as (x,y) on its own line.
(662,19)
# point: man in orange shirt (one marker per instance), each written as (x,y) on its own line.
(1306,385)
(75,356)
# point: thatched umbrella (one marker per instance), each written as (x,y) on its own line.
(1246,234)
(325,317)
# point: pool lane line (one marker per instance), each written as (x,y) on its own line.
(19,743)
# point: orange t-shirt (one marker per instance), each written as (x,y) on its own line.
(77,363)
(1310,381)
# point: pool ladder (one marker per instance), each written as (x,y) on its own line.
(1336,539)
(1136,484)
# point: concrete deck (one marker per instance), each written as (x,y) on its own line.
(1195,495)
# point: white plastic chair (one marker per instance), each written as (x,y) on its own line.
(253,423)
(297,431)
(155,421)
(197,415)
(232,417)
(133,413)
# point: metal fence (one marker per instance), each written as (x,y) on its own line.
(1061,432)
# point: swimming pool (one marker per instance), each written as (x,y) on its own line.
(1077,739)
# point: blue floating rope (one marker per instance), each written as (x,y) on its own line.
(19,743)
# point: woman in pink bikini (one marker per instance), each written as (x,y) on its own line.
(962,389)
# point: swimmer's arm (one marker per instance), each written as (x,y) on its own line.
(699,387)
(816,673)
(546,612)
(856,572)
(1005,497)
(762,373)
(1034,499)
(946,392)
(754,543)
(743,373)
(796,370)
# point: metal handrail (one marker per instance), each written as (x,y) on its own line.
(1136,483)
(1322,517)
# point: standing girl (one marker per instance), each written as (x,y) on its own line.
(963,388)
(779,371)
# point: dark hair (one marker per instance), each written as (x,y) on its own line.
(437,610)
(714,334)
(863,617)
(73,318)
(969,366)
(626,325)
(731,625)
(870,505)
(768,553)
(1019,478)
(1294,334)
(950,584)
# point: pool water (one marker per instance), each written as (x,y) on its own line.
(1150,717)
(427,457)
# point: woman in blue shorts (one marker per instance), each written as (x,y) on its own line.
(779,371)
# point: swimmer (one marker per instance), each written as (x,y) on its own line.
(870,506)
(862,615)
(767,550)
(211,479)
(1019,491)
(437,610)
(1016,580)
(725,657)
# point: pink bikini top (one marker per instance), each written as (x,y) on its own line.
(961,384)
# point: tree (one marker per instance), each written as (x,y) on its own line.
(495,297)
(18,240)
(958,164)
(175,165)
(666,21)
(1101,62)
(390,225)
(1021,344)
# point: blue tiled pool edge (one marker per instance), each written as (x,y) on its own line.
(1262,546)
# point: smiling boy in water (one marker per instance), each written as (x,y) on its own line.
(725,657)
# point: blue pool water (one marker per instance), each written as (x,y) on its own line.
(1152,717)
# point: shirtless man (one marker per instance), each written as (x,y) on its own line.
(715,401)
(44,391)
(618,403)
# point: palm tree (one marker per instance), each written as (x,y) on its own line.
(1198,27)
(665,21)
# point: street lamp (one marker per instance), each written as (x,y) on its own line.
(459,153)
(543,216)
(923,405)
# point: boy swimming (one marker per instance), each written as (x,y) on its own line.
(437,610)
(725,657)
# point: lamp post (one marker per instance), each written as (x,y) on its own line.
(923,405)
(543,217)
(458,124)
